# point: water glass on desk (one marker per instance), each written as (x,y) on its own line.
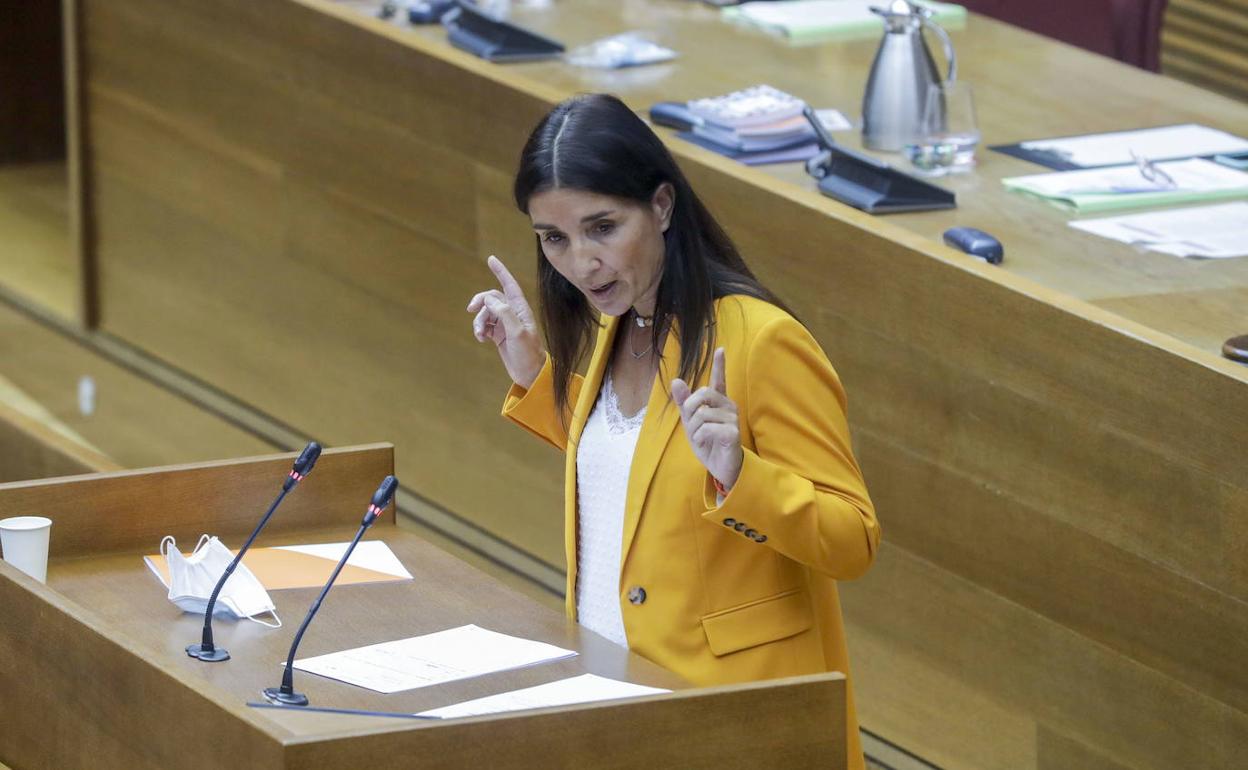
(948,133)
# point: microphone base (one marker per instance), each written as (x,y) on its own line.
(275,695)
(215,655)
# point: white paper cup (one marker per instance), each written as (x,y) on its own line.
(24,540)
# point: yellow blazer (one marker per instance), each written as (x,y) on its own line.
(744,589)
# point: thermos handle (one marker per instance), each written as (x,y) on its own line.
(950,56)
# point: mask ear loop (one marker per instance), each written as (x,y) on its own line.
(278,624)
(165,542)
(202,539)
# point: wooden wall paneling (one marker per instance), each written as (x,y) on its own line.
(97,514)
(1164,619)
(1056,751)
(30,449)
(1203,41)
(1052,460)
(134,422)
(1067,682)
(915,702)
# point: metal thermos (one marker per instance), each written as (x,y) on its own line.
(901,75)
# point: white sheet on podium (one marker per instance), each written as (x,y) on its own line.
(585,688)
(444,656)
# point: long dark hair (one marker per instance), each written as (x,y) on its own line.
(595,143)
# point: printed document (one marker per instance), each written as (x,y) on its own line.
(1209,232)
(1165,143)
(585,688)
(1121,187)
(445,656)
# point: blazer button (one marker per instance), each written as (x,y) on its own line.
(637,595)
(750,533)
(740,526)
(760,538)
(730,522)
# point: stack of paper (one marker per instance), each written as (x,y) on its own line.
(810,21)
(757,122)
(1123,187)
(757,125)
(1203,232)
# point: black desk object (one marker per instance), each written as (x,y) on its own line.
(868,184)
(975,242)
(1236,348)
(496,40)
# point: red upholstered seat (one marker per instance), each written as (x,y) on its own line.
(1127,30)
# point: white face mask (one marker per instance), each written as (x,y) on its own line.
(192,578)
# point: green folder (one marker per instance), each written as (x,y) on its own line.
(1094,203)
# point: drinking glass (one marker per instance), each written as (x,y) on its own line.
(948,132)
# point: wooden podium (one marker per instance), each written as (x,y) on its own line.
(93,671)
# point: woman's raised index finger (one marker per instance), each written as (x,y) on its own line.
(719,380)
(511,287)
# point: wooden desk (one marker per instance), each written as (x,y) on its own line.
(95,673)
(292,201)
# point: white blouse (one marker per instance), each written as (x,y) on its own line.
(604,458)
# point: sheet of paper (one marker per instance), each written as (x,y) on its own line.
(1120,187)
(585,688)
(1211,232)
(373,555)
(1167,142)
(445,656)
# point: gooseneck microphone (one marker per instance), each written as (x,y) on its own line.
(206,650)
(286,693)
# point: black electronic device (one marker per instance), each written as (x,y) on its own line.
(1236,348)
(975,242)
(869,184)
(493,39)
(206,650)
(285,694)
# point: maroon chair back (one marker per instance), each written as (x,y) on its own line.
(1127,30)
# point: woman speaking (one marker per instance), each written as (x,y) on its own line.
(712,495)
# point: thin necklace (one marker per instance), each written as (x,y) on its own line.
(641,323)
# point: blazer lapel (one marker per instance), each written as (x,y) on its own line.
(580,415)
(662,417)
(594,376)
